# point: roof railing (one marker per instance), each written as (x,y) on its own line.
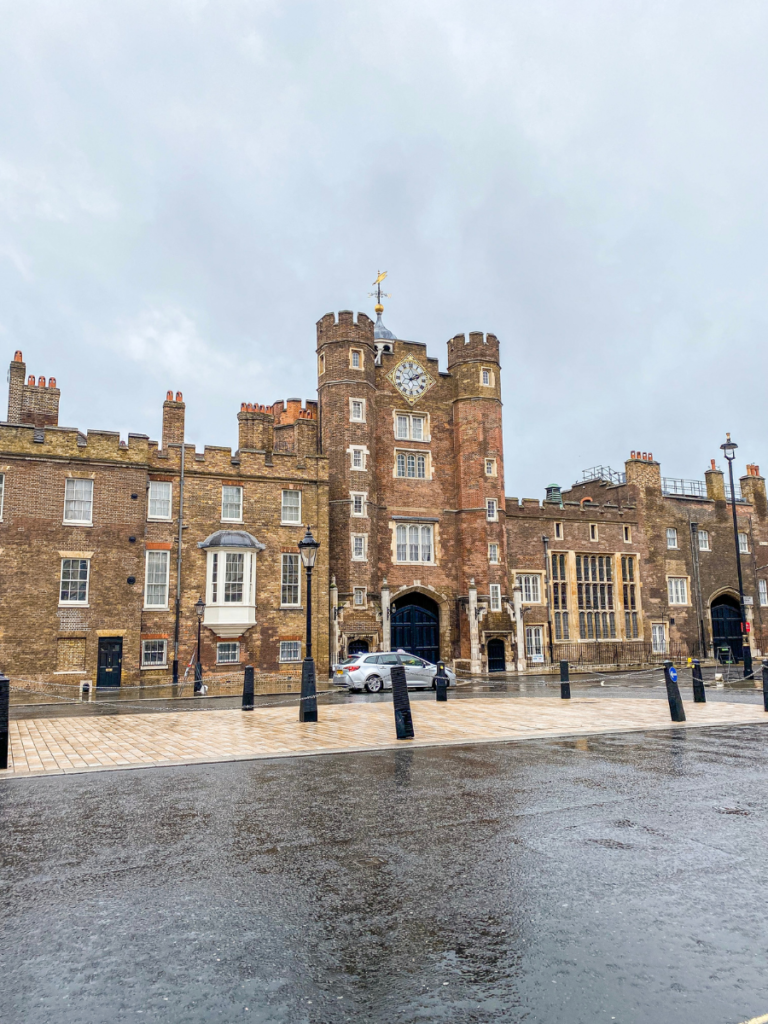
(601,473)
(685,488)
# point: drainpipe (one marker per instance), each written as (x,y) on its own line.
(178,573)
(334,631)
(697,587)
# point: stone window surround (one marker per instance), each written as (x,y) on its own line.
(426,454)
(363,449)
(363,495)
(679,604)
(519,574)
(492,517)
(352,417)
(491,382)
(490,459)
(594,532)
(415,521)
(491,559)
(364,538)
(627,533)
(426,430)
(290,490)
(364,592)
(558,531)
(361,356)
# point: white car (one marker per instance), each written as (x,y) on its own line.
(371,672)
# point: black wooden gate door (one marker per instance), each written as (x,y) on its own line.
(416,630)
(110,661)
(496,659)
(726,629)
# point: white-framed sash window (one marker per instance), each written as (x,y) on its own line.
(414,543)
(659,637)
(78,501)
(154,653)
(704,540)
(495,597)
(677,589)
(156,579)
(290,508)
(531,586)
(357,410)
(744,543)
(359,547)
(493,554)
(2,494)
(534,643)
(231,504)
(410,428)
(671,537)
(491,510)
(290,581)
(762,592)
(73,586)
(160,494)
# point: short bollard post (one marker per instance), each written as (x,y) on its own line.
(401,701)
(248,688)
(565,681)
(308,706)
(5,697)
(699,696)
(441,682)
(765,684)
(673,693)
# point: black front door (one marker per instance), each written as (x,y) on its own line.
(726,627)
(496,660)
(110,661)
(416,627)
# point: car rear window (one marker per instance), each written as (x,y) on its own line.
(350,661)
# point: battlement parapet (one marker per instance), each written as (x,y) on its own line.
(26,439)
(477,346)
(329,329)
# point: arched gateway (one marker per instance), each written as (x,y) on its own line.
(415,626)
(726,625)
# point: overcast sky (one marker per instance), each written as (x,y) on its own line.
(186,187)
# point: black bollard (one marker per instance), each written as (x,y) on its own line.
(308,706)
(565,681)
(765,685)
(5,696)
(248,688)
(699,697)
(673,693)
(401,701)
(441,682)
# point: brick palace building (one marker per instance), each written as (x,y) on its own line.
(399,468)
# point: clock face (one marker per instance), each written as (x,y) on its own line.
(411,379)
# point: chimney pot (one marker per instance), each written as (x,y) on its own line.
(31,381)
(179,397)
(51,382)
(169,397)
(41,382)
(17,358)
(712,463)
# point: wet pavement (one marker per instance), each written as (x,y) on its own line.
(612,878)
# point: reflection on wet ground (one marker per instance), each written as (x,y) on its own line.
(613,878)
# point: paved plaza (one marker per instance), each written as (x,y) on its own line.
(45,745)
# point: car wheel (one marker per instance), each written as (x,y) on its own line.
(373,684)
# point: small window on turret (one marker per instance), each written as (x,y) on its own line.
(487,377)
(321,364)
(356,359)
(490,467)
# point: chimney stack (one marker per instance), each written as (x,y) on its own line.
(16,376)
(173,419)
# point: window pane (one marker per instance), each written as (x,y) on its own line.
(426,543)
(74,580)
(402,544)
(291,510)
(358,504)
(411,465)
(421,467)
(762,587)
(495,597)
(413,544)
(744,543)
(401,465)
(159,500)
(78,500)
(233,578)
(290,650)
(290,580)
(418,428)
(671,538)
(228,653)
(232,503)
(157,579)
(402,426)
(703,540)
(153,652)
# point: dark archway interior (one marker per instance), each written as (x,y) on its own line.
(357,647)
(415,626)
(496,658)
(726,626)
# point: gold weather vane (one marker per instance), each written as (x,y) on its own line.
(379,294)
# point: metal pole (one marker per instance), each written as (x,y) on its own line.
(178,574)
(673,693)
(699,696)
(308,703)
(5,697)
(745,648)
(198,663)
(309,611)
(765,684)
(248,688)
(545,542)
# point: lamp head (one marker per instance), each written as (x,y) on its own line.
(729,448)
(200,607)
(308,549)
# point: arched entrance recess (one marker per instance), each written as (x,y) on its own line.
(497,661)
(357,647)
(415,625)
(726,625)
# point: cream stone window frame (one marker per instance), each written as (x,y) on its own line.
(495,596)
(159,492)
(358,504)
(357,410)
(679,591)
(627,533)
(358,458)
(487,377)
(356,359)
(415,543)
(359,547)
(558,531)
(290,510)
(359,597)
(409,426)
(490,466)
(493,554)
(157,565)
(78,501)
(2,495)
(594,532)
(530,583)
(321,364)
(409,463)
(491,510)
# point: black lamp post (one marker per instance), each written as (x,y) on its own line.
(729,450)
(200,609)
(308,707)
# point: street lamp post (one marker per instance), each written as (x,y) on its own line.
(308,706)
(729,450)
(200,609)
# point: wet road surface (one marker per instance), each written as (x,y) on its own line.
(617,878)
